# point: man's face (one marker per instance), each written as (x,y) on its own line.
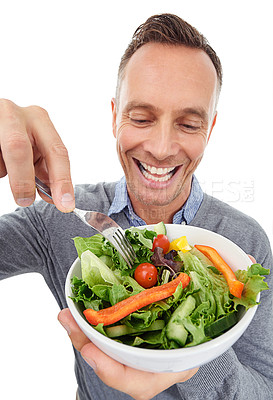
(162,122)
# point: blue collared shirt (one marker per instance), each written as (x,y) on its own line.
(185,215)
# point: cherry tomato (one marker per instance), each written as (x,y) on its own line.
(161,241)
(146,275)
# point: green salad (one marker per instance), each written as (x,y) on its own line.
(180,298)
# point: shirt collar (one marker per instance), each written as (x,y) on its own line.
(121,202)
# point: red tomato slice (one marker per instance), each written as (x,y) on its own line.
(161,241)
(146,275)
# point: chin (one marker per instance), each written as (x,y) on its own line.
(158,198)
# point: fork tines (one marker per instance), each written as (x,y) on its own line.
(125,246)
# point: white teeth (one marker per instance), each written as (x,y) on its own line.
(147,171)
(157,171)
(157,179)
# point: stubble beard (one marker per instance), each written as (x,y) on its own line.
(154,197)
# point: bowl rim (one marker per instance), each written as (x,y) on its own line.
(234,332)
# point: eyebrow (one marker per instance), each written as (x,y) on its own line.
(135,104)
(198,111)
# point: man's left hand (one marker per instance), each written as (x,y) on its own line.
(138,384)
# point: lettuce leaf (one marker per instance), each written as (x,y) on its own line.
(254,284)
(148,339)
(95,271)
(118,261)
(83,294)
(141,240)
(144,317)
(112,294)
(102,248)
(93,243)
(196,329)
(138,236)
(211,290)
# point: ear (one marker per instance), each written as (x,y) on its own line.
(114,116)
(212,125)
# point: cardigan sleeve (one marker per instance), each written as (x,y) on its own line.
(245,371)
(23,243)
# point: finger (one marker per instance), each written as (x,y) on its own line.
(76,335)
(56,157)
(17,157)
(42,173)
(134,382)
(45,197)
(108,370)
(3,170)
(252,259)
(112,373)
(89,351)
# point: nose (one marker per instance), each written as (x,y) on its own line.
(162,141)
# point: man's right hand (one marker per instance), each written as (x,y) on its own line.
(29,146)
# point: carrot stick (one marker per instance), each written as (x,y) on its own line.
(125,307)
(235,287)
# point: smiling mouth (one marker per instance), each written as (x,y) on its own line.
(156,174)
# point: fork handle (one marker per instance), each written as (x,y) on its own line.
(43,187)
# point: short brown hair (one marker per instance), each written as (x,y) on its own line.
(168,29)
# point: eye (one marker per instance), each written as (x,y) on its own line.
(140,121)
(191,128)
(190,125)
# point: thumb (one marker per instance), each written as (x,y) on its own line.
(252,259)
(77,337)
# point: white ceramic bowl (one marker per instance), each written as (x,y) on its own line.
(174,360)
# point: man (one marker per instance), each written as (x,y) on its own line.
(163,114)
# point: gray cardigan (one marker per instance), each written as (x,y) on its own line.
(43,236)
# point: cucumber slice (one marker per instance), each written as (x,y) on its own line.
(121,330)
(221,325)
(175,329)
(160,228)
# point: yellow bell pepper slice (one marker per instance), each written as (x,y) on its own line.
(180,244)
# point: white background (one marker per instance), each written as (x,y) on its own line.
(63,55)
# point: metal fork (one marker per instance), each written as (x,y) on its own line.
(103,224)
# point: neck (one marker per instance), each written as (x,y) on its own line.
(152,214)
